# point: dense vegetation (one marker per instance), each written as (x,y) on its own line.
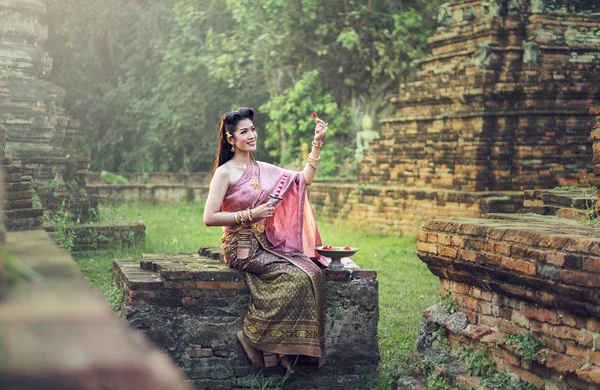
(149,79)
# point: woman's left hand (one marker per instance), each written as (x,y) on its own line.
(320,130)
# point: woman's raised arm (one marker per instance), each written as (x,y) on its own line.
(315,153)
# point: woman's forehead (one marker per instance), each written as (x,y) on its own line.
(244,123)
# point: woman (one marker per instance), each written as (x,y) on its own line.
(271,239)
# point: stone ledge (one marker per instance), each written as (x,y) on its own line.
(550,261)
(58,333)
(95,238)
(192,305)
(573,203)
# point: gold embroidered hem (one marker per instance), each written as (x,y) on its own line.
(286,310)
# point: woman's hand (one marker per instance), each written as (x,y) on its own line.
(263,211)
(320,130)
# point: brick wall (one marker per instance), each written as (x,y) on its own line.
(192,306)
(595,112)
(513,274)
(500,104)
(58,333)
(401,210)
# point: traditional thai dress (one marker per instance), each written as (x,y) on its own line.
(286,311)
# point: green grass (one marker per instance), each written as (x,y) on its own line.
(406,287)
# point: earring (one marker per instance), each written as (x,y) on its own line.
(232,148)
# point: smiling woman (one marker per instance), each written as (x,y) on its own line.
(271,238)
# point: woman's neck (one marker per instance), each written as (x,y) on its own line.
(241,158)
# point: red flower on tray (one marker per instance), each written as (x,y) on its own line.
(331,248)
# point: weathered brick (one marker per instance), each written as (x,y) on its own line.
(466,255)
(589,374)
(540,314)
(518,265)
(527,376)
(502,248)
(425,247)
(520,319)
(591,264)
(577,351)
(338,275)
(220,285)
(363,273)
(572,321)
(560,363)
(580,278)
(593,325)
(448,251)
(507,356)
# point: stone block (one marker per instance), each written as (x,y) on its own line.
(200,334)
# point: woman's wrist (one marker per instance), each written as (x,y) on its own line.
(317,143)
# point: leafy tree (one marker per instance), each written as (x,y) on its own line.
(149,79)
(360,48)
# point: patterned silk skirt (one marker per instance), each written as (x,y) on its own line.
(286,312)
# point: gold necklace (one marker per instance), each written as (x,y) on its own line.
(254,184)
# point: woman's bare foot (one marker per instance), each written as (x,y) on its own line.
(255,355)
(285,361)
(271,359)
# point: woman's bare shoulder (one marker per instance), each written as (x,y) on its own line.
(222,173)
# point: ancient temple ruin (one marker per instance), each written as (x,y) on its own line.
(39,134)
(499,106)
(524,288)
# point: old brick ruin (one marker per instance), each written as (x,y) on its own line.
(595,112)
(525,277)
(39,134)
(500,105)
(192,306)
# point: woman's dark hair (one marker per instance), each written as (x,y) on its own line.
(229,121)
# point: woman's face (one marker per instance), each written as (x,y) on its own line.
(244,136)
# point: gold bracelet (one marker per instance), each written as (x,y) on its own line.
(317,145)
(242,217)
(311,162)
(311,158)
(235,216)
(249,214)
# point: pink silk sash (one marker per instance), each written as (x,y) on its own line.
(293,227)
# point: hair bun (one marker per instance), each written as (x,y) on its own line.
(246,112)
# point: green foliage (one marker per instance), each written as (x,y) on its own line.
(149,80)
(448,303)
(435,381)
(53,186)
(128,238)
(35,199)
(440,337)
(61,220)
(97,239)
(566,188)
(479,363)
(526,343)
(501,381)
(291,124)
(114,297)
(113,178)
